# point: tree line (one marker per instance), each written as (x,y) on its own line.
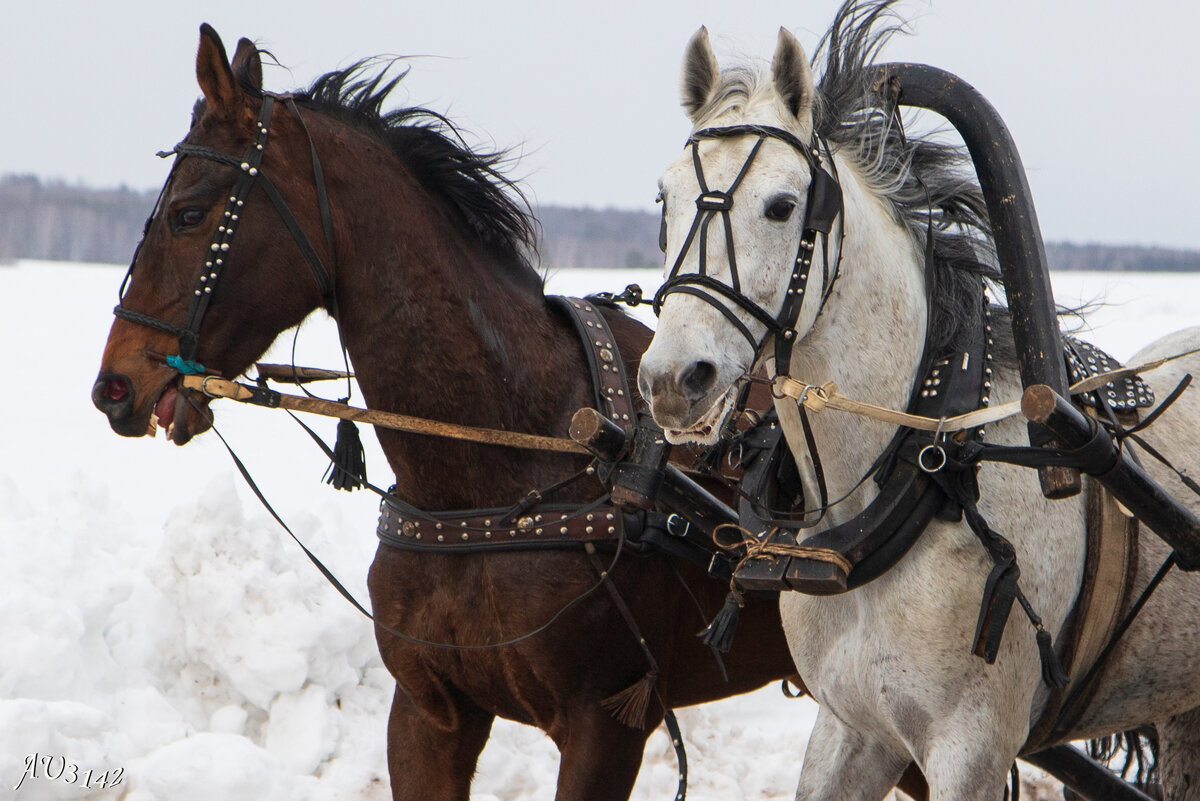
(60,222)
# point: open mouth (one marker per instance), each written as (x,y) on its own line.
(706,430)
(170,414)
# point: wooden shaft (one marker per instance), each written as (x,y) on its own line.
(220,388)
(1125,479)
(1089,779)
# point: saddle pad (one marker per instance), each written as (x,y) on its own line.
(1085,360)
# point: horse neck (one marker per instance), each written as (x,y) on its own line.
(868,340)
(434,330)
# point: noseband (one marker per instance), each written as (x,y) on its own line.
(249,173)
(822,208)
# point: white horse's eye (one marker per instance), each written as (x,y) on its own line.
(780,210)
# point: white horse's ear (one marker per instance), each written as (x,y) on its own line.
(792,75)
(700,72)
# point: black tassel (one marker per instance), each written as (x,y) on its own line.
(1052,670)
(348,471)
(718,635)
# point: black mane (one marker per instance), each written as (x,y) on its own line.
(469,182)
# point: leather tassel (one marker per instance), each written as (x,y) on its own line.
(630,705)
(348,471)
(718,635)
(1052,669)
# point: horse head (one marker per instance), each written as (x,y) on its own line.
(733,205)
(783,250)
(211,239)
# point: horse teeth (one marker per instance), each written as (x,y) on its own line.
(152,428)
(170,431)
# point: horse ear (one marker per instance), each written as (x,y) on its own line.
(215,76)
(247,64)
(700,72)
(792,75)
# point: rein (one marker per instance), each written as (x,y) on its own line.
(817,398)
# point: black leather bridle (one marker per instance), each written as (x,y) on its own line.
(822,208)
(250,173)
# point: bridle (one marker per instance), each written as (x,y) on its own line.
(250,173)
(822,208)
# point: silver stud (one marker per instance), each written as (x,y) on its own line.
(562,530)
(467,536)
(537,531)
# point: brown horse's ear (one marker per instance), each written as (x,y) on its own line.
(225,97)
(700,73)
(792,75)
(247,64)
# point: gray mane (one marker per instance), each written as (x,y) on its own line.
(925,181)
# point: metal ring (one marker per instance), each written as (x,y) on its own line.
(921,458)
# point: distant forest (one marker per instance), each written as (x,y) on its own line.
(60,222)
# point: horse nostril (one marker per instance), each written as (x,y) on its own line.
(697,379)
(115,389)
(112,394)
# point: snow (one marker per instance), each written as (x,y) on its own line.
(157,621)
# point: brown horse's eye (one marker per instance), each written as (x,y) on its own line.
(780,210)
(189,217)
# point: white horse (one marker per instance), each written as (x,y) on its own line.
(890,663)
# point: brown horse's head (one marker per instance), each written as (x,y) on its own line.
(209,239)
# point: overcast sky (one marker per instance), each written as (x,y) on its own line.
(1102,97)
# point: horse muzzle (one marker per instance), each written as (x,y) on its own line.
(116,396)
(688,401)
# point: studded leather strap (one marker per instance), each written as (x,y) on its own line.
(548,526)
(609,378)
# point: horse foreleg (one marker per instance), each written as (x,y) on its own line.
(841,763)
(1179,756)
(969,762)
(434,760)
(600,757)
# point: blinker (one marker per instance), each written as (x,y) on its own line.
(824,201)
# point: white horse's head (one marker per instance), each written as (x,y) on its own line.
(735,204)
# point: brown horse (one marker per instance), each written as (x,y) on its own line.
(443,317)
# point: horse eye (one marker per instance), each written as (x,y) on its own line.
(780,210)
(189,217)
